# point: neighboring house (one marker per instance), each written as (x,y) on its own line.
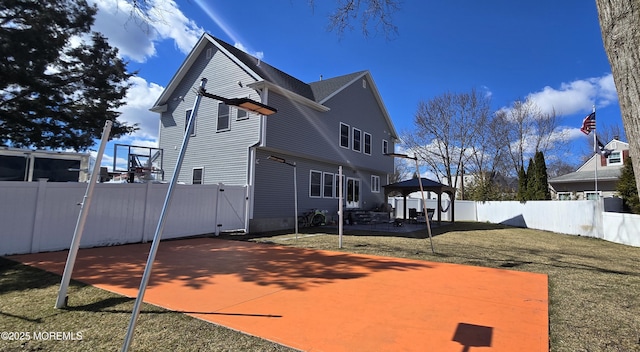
(319,126)
(581,184)
(33,165)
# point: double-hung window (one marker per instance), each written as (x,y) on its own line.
(367,143)
(385,146)
(328,185)
(357,140)
(315,184)
(197,176)
(223,117)
(344,135)
(375,184)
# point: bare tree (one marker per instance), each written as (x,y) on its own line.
(525,129)
(620,27)
(378,12)
(370,13)
(446,130)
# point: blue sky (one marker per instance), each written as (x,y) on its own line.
(550,51)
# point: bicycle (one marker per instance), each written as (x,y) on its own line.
(313,218)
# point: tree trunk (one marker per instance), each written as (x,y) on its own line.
(620,27)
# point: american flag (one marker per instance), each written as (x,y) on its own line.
(589,123)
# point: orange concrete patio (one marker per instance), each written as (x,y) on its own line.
(326,301)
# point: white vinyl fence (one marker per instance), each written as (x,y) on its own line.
(580,217)
(41,216)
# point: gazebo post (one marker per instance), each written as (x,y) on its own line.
(439,206)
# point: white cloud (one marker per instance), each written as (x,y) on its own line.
(140,97)
(258,54)
(577,96)
(135,37)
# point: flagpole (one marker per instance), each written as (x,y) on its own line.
(595,151)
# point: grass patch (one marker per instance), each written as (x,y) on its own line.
(593,291)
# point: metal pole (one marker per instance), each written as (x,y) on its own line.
(424,205)
(595,151)
(340,214)
(82,219)
(161,221)
(295,196)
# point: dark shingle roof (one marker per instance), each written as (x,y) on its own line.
(268,72)
(316,91)
(324,88)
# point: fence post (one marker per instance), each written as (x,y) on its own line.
(36,232)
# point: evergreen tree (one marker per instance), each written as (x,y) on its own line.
(522,185)
(627,188)
(531,180)
(55,95)
(541,184)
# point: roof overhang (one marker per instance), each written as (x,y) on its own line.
(288,94)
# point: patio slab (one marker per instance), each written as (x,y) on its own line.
(326,301)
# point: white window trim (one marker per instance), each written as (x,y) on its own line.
(328,176)
(564,193)
(202,175)
(238,118)
(616,163)
(353,140)
(348,146)
(311,172)
(364,143)
(385,146)
(218,129)
(586,194)
(375,184)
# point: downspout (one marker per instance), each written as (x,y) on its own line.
(251,168)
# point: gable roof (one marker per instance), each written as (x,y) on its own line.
(315,93)
(614,145)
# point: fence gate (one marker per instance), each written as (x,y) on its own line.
(231,208)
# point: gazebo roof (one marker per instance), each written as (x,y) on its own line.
(413,185)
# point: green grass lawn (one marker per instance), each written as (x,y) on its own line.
(593,291)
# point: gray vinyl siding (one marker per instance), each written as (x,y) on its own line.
(273,192)
(316,135)
(223,155)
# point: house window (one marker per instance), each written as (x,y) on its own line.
(196,177)
(614,158)
(242,114)
(344,135)
(186,123)
(223,117)
(591,195)
(357,140)
(375,184)
(328,185)
(367,143)
(385,147)
(315,184)
(564,195)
